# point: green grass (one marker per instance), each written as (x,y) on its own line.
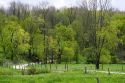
(112,67)
(9,71)
(75,74)
(66,77)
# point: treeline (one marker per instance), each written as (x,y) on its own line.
(92,33)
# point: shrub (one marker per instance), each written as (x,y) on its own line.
(32,71)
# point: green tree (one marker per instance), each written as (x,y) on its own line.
(32,25)
(65,38)
(118,22)
(17,39)
(106,56)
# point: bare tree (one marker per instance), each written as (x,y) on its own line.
(19,10)
(44,11)
(95,13)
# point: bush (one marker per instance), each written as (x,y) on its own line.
(32,71)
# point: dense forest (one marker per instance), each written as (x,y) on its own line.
(93,32)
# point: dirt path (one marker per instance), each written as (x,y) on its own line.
(111,72)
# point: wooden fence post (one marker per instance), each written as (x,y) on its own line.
(109,71)
(85,70)
(98,81)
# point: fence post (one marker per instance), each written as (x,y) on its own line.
(85,70)
(109,71)
(98,81)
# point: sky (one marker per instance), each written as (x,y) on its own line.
(119,4)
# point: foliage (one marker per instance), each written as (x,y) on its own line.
(87,33)
(68,53)
(106,57)
(32,70)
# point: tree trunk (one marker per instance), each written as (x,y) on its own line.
(46,57)
(97,60)
(77,59)
(12,55)
(52,57)
(30,54)
(59,56)
(97,65)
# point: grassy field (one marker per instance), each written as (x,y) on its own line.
(104,67)
(58,74)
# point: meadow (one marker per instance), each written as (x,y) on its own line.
(59,74)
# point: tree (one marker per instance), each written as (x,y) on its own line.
(44,28)
(2,46)
(98,30)
(32,25)
(68,54)
(65,38)
(52,48)
(118,22)
(79,45)
(106,56)
(17,39)
(18,9)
